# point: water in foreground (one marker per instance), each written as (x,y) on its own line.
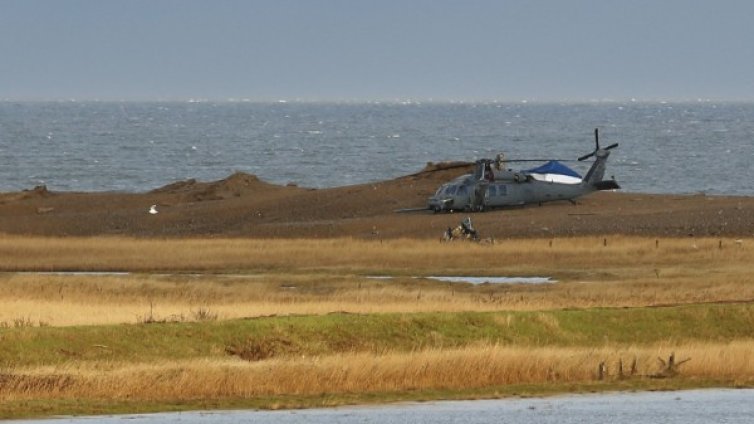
(687,407)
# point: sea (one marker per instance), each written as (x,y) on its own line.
(664,147)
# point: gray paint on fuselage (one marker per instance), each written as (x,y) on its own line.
(492,186)
(499,194)
(532,191)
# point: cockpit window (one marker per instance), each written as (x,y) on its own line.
(446,190)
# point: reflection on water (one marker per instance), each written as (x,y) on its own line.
(686,407)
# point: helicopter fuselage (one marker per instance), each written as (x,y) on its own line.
(492,185)
(489,188)
(467,193)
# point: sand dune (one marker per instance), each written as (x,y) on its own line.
(245,206)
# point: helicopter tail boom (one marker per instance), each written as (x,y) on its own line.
(594,177)
(597,170)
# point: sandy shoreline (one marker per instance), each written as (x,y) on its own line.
(244,206)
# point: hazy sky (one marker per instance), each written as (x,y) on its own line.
(377,49)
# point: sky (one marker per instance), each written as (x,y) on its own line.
(368,50)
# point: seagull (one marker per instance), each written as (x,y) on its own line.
(153,209)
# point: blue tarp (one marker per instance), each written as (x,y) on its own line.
(554,167)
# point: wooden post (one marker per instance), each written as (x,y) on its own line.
(620,369)
(601,371)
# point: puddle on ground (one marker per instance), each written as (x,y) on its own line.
(445,279)
(494,280)
(126,273)
(74,273)
(477,280)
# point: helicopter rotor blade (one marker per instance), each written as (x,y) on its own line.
(597,146)
(586,156)
(596,139)
(538,160)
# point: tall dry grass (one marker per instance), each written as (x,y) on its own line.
(322,276)
(90,300)
(630,256)
(443,369)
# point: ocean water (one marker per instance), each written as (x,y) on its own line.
(124,146)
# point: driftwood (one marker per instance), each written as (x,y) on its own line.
(669,368)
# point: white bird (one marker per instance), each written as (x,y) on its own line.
(153,209)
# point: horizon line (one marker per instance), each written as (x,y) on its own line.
(401,101)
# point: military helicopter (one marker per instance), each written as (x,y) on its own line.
(493,185)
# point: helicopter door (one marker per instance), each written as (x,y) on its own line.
(480,196)
(462,196)
(491,191)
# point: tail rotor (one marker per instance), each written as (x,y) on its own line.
(597,146)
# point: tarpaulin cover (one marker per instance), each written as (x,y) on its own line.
(554,167)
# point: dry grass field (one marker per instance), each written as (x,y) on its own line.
(188,280)
(35,300)
(636,257)
(464,368)
(91,325)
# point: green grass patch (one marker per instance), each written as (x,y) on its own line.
(321,335)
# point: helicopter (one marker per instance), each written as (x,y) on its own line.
(493,185)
